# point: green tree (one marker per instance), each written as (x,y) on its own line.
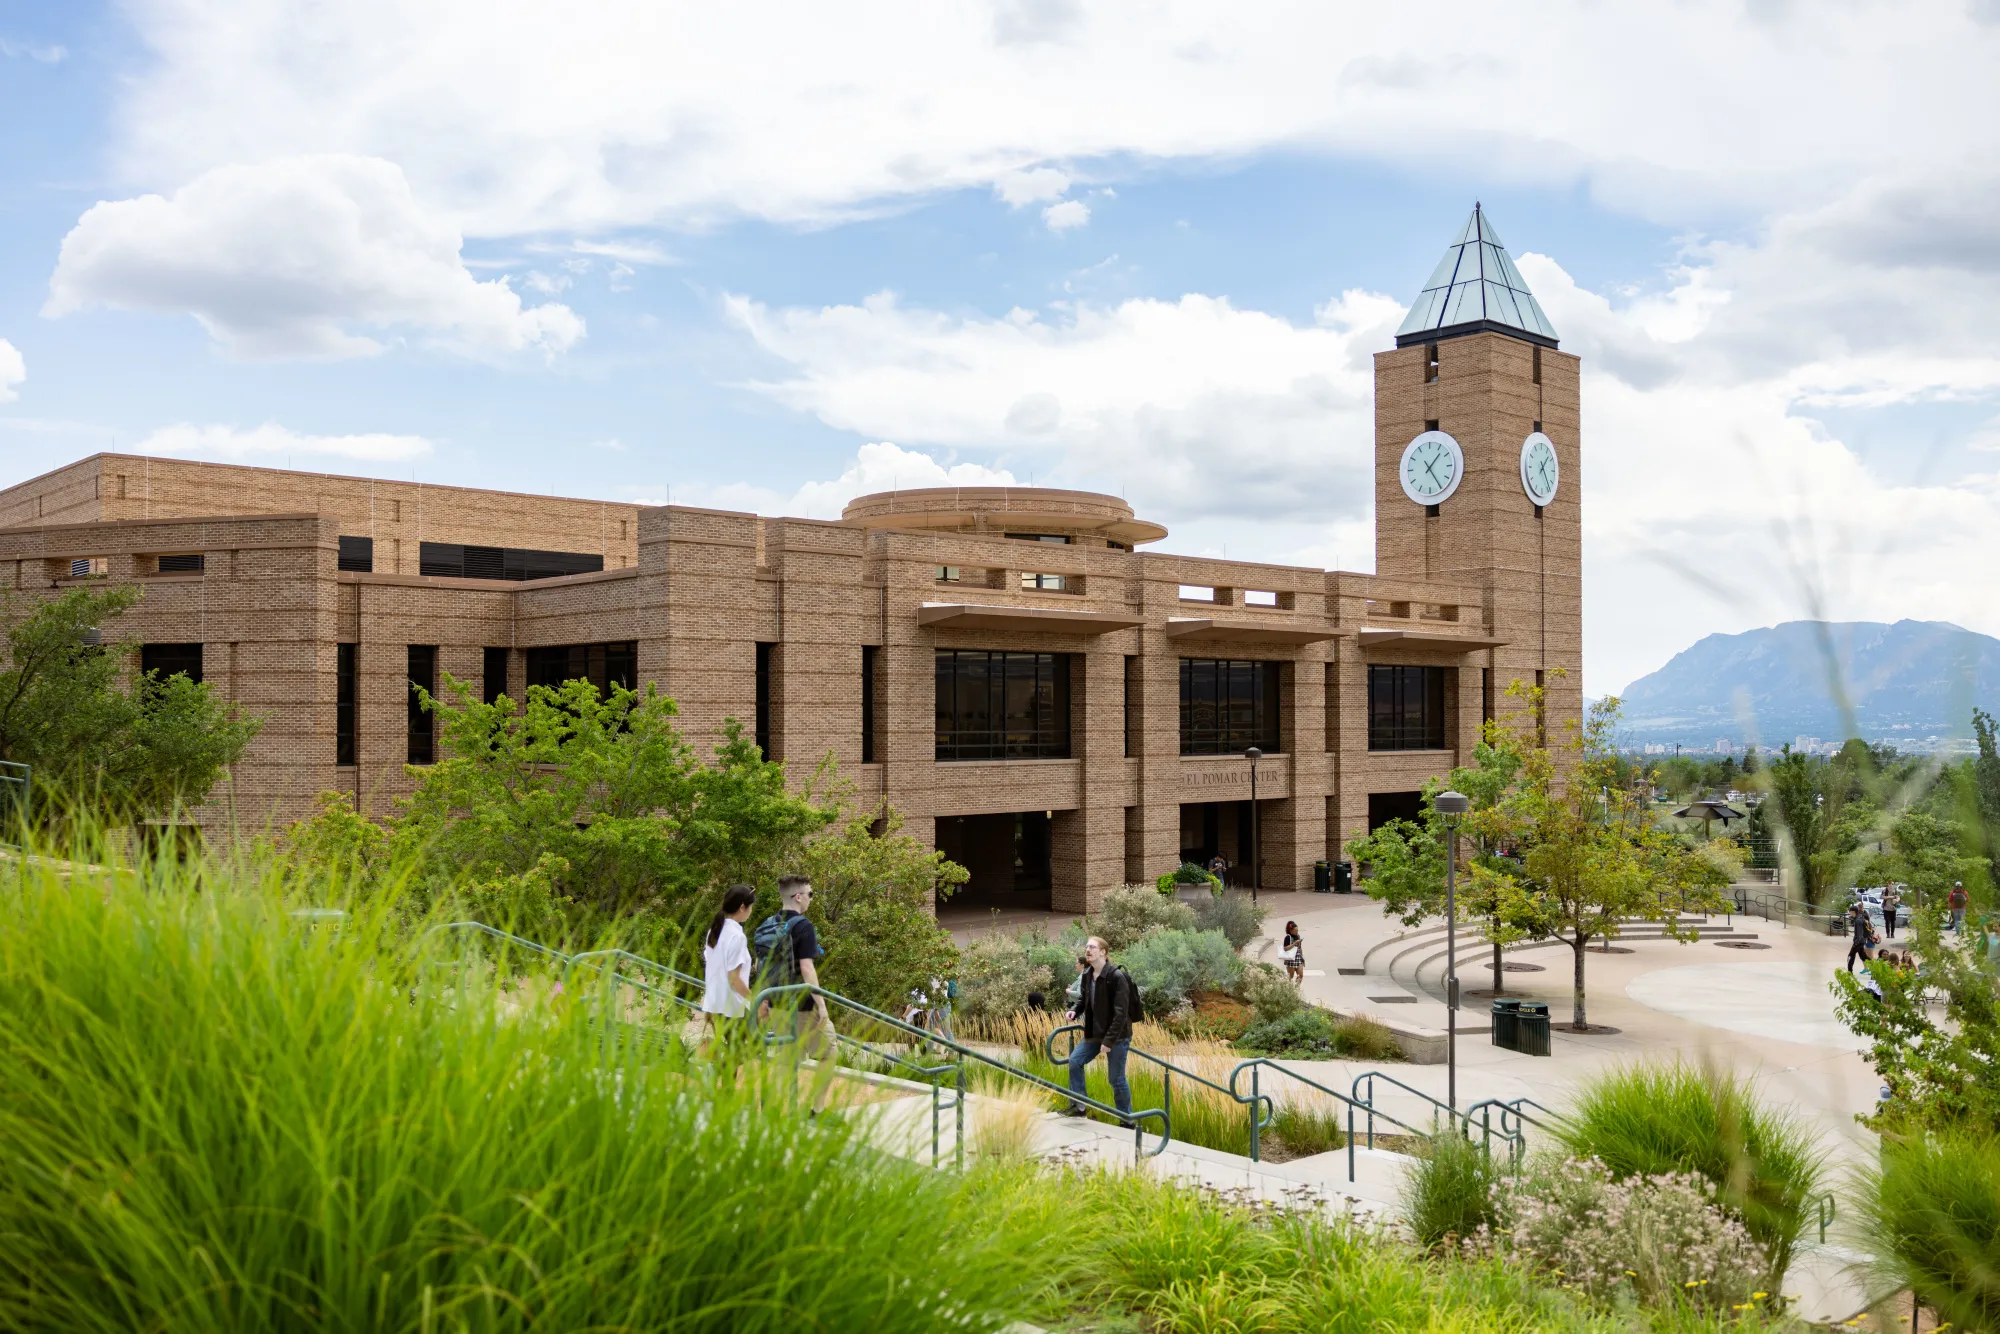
(1588,854)
(606,785)
(107,745)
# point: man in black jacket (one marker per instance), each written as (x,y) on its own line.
(1105,1007)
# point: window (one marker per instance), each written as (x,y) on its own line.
(1259,597)
(1431,424)
(1131,700)
(1057,538)
(192,562)
(1538,371)
(453,561)
(1197,593)
(1485,695)
(344,664)
(493,675)
(1054,583)
(357,554)
(1228,707)
(1406,707)
(948,574)
(603,665)
(871,657)
(1431,364)
(1002,706)
(423,723)
(89,567)
(171,660)
(763,726)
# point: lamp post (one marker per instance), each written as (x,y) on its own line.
(1451,805)
(1256,864)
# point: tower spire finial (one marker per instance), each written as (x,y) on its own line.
(1476,289)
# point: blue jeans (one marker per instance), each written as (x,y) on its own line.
(1114,1067)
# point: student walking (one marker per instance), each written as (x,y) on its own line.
(1860,934)
(1105,1007)
(725,959)
(1293,952)
(1956,902)
(787,952)
(1891,901)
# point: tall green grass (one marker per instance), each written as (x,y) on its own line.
(1448,1191)
(1933,1213)
(216,1117)
(1648,1120)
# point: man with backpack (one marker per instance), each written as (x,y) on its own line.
(1107,1005)
(785,951)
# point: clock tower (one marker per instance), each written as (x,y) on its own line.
(1477,382)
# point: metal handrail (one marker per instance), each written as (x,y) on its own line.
(1826,1206)
(1049,1050)
(1258,1124)
(1367,1104)
(1135,1119)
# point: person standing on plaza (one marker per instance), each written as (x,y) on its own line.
(1956,902)
(1293,952)
(725,959)
(1105,1008)
(1218,866)
(1891,901)
(1860,933)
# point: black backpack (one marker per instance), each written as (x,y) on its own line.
(1134,1006)
(772,961)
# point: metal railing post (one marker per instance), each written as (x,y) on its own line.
(1256,1128)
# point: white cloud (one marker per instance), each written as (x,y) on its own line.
(271,440)
(1034,186)
(13,370)
(611,113)
(291,258)
(876,467)
(43,53)
(1065,215)
(1192,407)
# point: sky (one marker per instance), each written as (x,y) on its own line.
(770,257)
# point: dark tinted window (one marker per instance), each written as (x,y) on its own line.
(870,656)
(358,554)
(183,564)
(172,660)
(493,676)
(423,724)
(603,665)
(1406,707)
(455,561)
(761,731)
(1002,706)
(1228,706)
(345,664)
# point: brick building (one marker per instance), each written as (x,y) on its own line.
(1062,710)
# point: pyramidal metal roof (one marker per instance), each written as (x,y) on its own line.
(1476,289)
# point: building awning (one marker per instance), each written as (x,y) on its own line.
(1232,629)
(1048,620)
(1428,639)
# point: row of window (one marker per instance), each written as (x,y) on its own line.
(990,704)
(457,560)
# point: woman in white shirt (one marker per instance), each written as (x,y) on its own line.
(725,958)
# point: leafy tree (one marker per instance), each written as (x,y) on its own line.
(606,785)
(1588,854)
(107,745)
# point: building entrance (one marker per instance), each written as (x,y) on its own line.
(1209,828)
(1008,856)
(1386,806)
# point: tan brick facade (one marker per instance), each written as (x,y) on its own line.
(699,590)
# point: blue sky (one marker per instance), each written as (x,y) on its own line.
(771,256)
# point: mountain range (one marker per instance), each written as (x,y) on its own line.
(1903,683)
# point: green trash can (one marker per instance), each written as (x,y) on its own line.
(1507,1024)
(1532,1033)
(1322,877)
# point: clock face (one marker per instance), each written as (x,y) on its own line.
(1432,466)
(1540,473)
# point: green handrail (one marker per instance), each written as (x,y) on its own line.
(1049,1050)
(1825,1204)
(17,798)
(1510,1110)
(1136,1120)
(1256,1065)
(1462,1120)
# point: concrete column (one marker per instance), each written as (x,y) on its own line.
(1087,846)
(1292,831)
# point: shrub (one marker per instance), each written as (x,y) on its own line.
(1234,915)
(1763,1165)
(1932,1213)
(1656,1241)
(1266,990)
(1312,1032)
(995,976)
(1187,873)
(1169,966)
(1449,1192)
(1131,912)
